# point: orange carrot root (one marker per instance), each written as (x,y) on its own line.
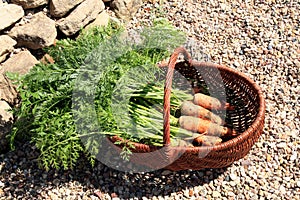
(190,109)
(204,126)
(209,102)
(206,140)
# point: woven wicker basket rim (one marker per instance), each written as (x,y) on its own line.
(231,143)
(251,129)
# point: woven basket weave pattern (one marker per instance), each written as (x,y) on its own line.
(247,118)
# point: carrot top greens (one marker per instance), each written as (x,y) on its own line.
(53,95)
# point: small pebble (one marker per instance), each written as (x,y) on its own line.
(216,194)
(293,156)
(230,194)
(281,145)
(233,176)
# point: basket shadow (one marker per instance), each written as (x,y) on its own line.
(98,180)
(156,183)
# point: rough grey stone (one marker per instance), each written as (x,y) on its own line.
(101,20)
(8,92)
(10,14)
(59,8)
(6,46)
(30,3)
(125,9)
(81,16)
(6,121)
(39,32)
(19,63)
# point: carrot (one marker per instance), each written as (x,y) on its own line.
(206,140)
(204,126)
(190,109)
(209,102)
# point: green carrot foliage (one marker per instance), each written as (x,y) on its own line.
(50,113)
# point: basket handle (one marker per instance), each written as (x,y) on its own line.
(167,90)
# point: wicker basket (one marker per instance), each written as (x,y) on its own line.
(247,118)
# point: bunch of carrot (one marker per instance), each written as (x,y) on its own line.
(197,124)
(196,116)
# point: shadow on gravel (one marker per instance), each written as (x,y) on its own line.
(20,177)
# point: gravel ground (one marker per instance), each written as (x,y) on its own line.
(259,38)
